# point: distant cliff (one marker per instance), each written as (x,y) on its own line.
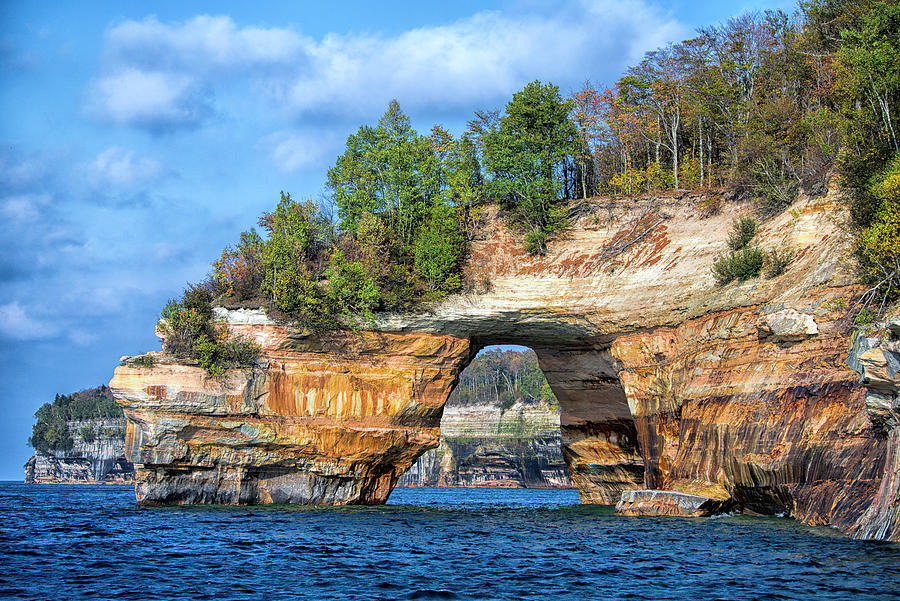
(483,445)
(79,439)
(500,428)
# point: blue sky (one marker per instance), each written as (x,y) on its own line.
(138,138)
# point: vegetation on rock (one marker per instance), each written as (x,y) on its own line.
(745,261)
(529,156)
(762,106)
(502,377)
(50,431)
(191,332)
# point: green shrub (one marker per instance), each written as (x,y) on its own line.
(438,250)
(742,232)
(350,288)
(739,265)
(878,245)
(536,242)
(190,332)
(87,434)
(864,317)
(777,262)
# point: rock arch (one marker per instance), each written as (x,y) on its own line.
(666,381)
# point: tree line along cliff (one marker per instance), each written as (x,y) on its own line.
(760,107)
(79,438)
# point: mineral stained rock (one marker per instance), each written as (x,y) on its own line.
(877,359)
(327,420)
(667,502)
(665,380)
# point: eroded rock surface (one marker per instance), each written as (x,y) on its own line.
(877,358)
(665,380)
(332,420)
(667,502)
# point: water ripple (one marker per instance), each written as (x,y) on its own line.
(82,542)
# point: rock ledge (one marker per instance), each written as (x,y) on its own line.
(668,502)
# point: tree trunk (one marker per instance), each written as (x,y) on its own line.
(700,136)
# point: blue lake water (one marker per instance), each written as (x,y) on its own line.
(94,542)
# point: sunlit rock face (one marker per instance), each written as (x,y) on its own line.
(665,380)
(726,410)
(666,502)
(333,420)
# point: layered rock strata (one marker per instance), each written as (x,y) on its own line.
(877,359)
(666,502)
(665,380)
(483,445)
(321,420)
(98,461)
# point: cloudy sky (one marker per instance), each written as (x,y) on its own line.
(138,138)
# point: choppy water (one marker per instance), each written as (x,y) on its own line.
(74,542)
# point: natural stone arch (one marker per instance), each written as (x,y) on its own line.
(599,441)
(737,392)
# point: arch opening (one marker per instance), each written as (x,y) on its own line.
(536,417)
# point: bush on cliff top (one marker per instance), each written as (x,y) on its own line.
(191,332)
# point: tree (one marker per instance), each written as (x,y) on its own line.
(438,250)
(239,271)
(658,84)
(387,169)
(868,63)
(528,155)
(292,258)
(587,114)
(352,291)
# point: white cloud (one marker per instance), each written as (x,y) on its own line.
(23,207)
(15,324)
(203,42)
(155,100)
(156,70)
(119,167)
(298,150)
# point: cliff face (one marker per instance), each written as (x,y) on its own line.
(330,420)
(665,380)
(98,461)
(877,359)
(483,446)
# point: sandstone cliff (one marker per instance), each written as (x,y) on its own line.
(100,460)
(665,380)
(484,445)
